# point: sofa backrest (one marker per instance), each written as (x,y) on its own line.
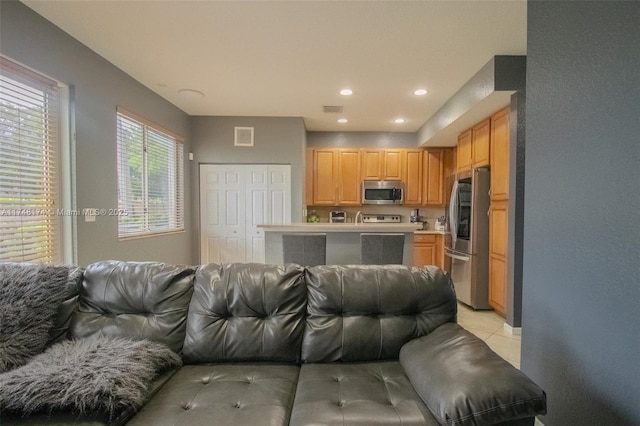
(142,300)
(367,312)
(67,307)
(246,312)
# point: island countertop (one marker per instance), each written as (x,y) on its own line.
(342,227)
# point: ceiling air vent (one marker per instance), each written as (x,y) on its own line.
(332,108)
(243,136)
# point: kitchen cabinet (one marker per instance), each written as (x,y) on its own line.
(464,153)
(308,178)
(434,177)
(481,143)
(474,146)
(500,155)
(428,250)
(412,177)
(382,164)
(498,231)
(336,177)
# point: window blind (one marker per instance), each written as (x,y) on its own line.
(29,117)
(150,179)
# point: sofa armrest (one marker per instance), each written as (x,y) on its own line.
(463,382)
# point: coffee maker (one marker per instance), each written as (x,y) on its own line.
(415,216)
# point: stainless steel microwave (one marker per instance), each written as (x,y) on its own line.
(382,192)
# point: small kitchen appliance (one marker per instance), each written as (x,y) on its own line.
(337,216)
(415,216)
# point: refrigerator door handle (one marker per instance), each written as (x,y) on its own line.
(453,213)
(457,256)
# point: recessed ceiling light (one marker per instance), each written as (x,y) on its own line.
(420,92)
(342,120)
(346,92)
(399,120)
(190,93)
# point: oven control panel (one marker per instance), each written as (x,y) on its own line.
(380,218)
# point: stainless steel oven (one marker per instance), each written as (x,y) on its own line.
(382,192)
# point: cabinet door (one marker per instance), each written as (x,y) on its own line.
(325,176)
(425,249)
(500,155)
(440,251)
(349,188)
(308,178)
(372,164)
(464,154)
(498,231)
(413,177)
(480,143)
(393,164)
(433,182)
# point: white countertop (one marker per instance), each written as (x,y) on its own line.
(342,227)
(429,231)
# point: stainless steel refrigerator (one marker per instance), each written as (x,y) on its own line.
(467,237)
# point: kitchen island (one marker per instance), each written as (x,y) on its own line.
(343,239)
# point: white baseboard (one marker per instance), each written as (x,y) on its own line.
(538,422)
(514,331)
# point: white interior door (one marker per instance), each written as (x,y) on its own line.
(257,213)
(234,200)
(222,206)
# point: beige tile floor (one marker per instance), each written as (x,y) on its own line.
(489,326)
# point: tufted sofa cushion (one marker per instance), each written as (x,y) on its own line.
(246,312)
(223,394)
(375,393)
(367,312)
(139,300)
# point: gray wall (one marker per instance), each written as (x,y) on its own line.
(99,88)
(277,140)
(362,140)
(581,292)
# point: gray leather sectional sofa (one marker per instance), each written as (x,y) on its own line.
(287,345)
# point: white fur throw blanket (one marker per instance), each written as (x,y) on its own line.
(106,375)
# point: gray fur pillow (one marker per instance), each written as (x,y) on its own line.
(106,375)
(29,299)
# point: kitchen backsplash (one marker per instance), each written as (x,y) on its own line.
(429,214)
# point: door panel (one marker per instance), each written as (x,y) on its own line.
(234,200)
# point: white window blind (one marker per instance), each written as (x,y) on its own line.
(29,111)
(150,179)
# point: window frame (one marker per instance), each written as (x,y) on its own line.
(61,215)
(178,212)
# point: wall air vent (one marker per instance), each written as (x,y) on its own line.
(332,108)
(243,136)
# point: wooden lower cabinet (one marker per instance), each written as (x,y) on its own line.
(428,250)
(498,231)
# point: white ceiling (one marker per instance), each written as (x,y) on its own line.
(289,58)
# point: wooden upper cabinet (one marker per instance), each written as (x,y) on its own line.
(433,165)
(412,178)
(336,177)
(481,143)
(372,164)
(325,177)
(464,153)
(349,189)
(308,178)
(474,146)
(383,164)
(500,155)
(393,163)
